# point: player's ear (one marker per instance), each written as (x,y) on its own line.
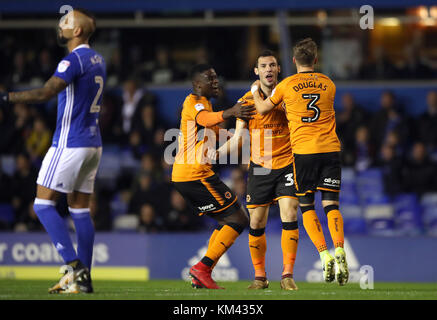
(256,71)
(315,60)
(279,68)
(77,31)
(294,60)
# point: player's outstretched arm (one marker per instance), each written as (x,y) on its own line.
(261,105)
(232,144)
(50,89)
(209,118)
(239,111)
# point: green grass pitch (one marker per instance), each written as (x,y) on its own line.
(180,290)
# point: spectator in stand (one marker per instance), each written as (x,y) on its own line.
(132,95)
(28,221)
(5,195)
(180,216)
(100,211)
(161,70)
(378,66)
(387,119)
(22,127)
(393,140)
(21,72)
(149,222)
(115,70)
(135,145)
(363,156)
(146,125)
(414,65)
(143,192)
(110,115)
(348,120)
(7,132)
(426,124)
(45,66)
(39,141)
(392,170)
(23,187)
(420,174)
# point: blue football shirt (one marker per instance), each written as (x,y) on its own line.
(77,125)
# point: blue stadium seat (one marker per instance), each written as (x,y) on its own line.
(380,219)
(118,207)
(109,165)
(429,199)
(348,175)
(349,195)
(355,226)
(126,223)
(7,163)
(381,227)
(350,211)
(408,214)
(430,216)
(6,213)
(375,198)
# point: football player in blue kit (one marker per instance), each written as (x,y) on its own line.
(70,165)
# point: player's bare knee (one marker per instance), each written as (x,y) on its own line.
(258,217)
(46,193)
(78,200)
(288,209)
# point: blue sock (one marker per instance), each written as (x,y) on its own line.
(56,228)
(85,234)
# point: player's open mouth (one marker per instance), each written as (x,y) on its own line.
(269,77)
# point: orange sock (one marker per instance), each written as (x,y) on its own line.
(211,240)
(289,241)
(258,248)
(222,242)
(313,227)
(335,225)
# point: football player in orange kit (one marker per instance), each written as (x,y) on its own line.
(270,176)
(194,178)
(309,102)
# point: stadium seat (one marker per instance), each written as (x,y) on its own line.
(348,175)
(126,223)
(350,211)
(7,163)
(429,199)
(355,226)
(118,207)
(109,167)
(408,214)
(6,213)
(369,178)
(349,194)
(380,219)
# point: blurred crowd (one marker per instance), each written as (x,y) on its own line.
(405,148)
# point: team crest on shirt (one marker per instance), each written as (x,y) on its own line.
(63,65)
(199,106)
(228,195)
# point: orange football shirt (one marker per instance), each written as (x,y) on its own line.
(309,105)
(270,149)
(190,162)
